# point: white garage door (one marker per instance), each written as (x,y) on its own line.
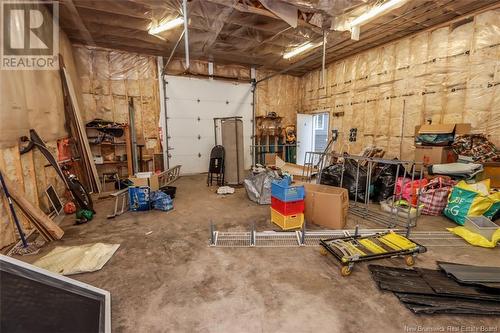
(192,104)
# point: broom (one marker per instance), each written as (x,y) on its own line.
(26,248)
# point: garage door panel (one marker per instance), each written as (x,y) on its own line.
(177,126)
(190,122)
(191,153)
(205,90)
(191,108)
(190,127)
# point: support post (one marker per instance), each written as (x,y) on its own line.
(186,35)
(133,135)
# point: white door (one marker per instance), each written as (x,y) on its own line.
(191,106)
(304,136)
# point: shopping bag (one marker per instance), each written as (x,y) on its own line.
(409,190)
(434,195)
(471,200)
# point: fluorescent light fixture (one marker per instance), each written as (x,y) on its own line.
(375,12)
(166,26)
(300,49)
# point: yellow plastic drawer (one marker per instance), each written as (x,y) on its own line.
(287,222)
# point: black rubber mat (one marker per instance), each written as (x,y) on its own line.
(432,291)
(470,273)
(443,285)
(400,280)
(451,305)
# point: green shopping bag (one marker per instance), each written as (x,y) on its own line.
(471,200)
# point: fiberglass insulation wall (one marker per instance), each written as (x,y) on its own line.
(448,75)
(108,78)
(31,99)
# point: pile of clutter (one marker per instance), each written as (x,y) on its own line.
(145,194)
(454,181)
(293,202)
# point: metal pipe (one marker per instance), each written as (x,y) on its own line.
(212,231)
(254,149)
(163,110)
(412,169)
(173,51)
(357,184)
(252,236)
(304,169)
(342,173)
(133,135)
(402,131)
(323,60)
(303,234)
(393,213)
(186,34)
(237,150)
(368,181)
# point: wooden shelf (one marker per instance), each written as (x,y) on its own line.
(108,143)
(111,162)
(115,148)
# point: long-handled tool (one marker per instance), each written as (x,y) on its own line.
(27,249)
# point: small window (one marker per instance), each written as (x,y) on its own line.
(319,123)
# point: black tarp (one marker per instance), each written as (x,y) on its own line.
(432,291)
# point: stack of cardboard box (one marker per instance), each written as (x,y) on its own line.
(438,154)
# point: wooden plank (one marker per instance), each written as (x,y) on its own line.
(130,168)
(37,226)
(7,233)
(41,221)
(81,132)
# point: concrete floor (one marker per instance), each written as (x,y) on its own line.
(171,281)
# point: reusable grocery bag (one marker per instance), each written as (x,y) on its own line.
(409,189)
(434,195)
(471,200)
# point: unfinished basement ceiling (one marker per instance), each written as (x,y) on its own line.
(251,32)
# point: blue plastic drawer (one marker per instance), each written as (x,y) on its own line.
(282,190)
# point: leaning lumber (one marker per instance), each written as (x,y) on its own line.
(40,221)
(75,119)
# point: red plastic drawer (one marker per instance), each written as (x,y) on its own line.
(287,208)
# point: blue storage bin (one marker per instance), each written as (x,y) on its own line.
(282,190)
(139,198)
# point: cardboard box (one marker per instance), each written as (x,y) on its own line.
(456,129)
(492,172)
(270,159)
(326,206)
(293,169)
(434,155)
(146,179)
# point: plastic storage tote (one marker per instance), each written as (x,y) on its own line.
(283,191)
(481,225)
(287,222)
(287,208)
